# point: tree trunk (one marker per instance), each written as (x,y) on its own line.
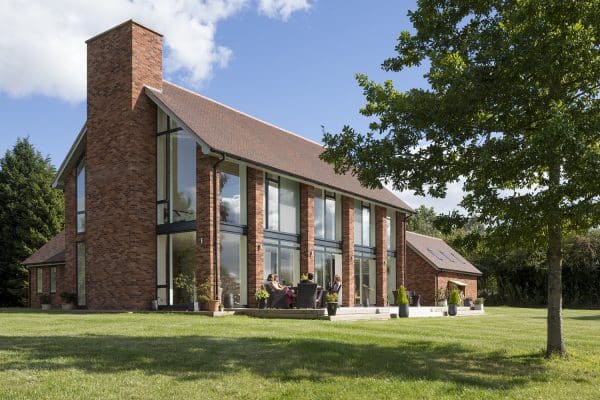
(556,343)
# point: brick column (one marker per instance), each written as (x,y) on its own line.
(400,249)
(380,256)
(207,234)
(307,229)
(256,221)
(347,251)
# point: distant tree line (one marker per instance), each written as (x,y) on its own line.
(518,276)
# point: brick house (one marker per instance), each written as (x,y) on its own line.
(432,265)
(162,182)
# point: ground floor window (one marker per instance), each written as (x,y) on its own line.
(364,281)
(81,273)
(52,279)
(233,269)
(40,279)
(176,257)
(328,263)
(391,278)
(282,258)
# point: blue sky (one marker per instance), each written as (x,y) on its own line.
(288,62)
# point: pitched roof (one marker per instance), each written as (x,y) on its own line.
(53,252)
(243,137)
(441,256)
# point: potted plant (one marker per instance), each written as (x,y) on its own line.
(467,302)
(203,295)
(440,298)
(261,297)
(403,309)
(478,304)
(453,302)
(332,303)
(45,301)
(69,300)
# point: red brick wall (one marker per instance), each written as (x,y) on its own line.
(347,251)
(121,168)
(256,215)
(400,249)
(471,281)
(420,277)
(380,256)
(307,228)
(206,242)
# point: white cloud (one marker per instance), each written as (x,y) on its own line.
(282,9)
(42,43)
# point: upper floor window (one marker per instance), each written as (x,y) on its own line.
(362,224)
(229,174)
(176,173)
(282,204)
(324,215)
(80,189)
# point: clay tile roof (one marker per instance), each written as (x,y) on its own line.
(246,138)
(439,254)
(53,252)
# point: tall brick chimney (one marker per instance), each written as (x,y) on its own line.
(121,167)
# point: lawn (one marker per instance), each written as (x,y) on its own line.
(182,356)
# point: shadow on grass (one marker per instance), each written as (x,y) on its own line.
(315,360)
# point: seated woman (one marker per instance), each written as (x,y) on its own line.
(282,296)
(336,285)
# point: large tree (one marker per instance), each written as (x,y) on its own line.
(31,212)
(512,111)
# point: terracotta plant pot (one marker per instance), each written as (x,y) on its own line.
(213,305)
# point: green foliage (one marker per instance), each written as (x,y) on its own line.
(454,297)
(193,290)
(261,294)
(402,297)
(68,297)
(331,298)
(423,222)
(45,298)
(31,213)
(512,111)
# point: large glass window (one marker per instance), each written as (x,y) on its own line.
(52,279)
(325,267)
(183,263)
(391,278)
(272,202)
(232,274)
(282,258)
(40,279)
(282,202)
(362,224)
(324,215)
(80,188)
(80,273)
(176,173)
(176,256)
(183,177)
(230,193)
(364,281)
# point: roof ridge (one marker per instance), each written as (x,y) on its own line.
(427,236)
(241,112)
